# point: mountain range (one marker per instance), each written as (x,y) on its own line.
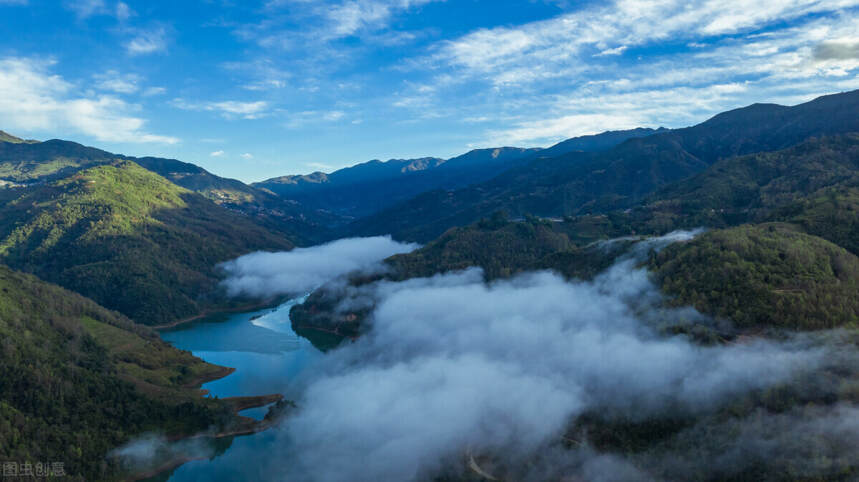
(371,187)
(583,182)
(95,245)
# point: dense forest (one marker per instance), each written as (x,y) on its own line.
(127,238)
(768,275)
(79,380)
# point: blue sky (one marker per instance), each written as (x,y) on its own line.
(253,90)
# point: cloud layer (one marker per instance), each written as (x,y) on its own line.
(303,269)
(454,366)
(32,97)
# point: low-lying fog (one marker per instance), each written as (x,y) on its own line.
(452,366)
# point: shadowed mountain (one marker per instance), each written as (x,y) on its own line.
(597,142)
(127,238)
(578,183)
(814,184)
(370,187)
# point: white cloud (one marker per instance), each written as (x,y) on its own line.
(227,108)
(545,86)
(247,155)
(352,17)
(303,269)
(116,82)
(248,110)
(549,130)
(597,108)
(263,73)
(153,91)
(614,51)
(451,365)
(300,119)
(33,98)
(324,22)
(216,153)
(147,42)
(333,115)
(545,45)
(123,11)
(86,8)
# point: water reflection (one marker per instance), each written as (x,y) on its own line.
(267,355)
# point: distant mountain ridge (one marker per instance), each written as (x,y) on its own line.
(369,187)
(6,137)
(597,142)
(582,182)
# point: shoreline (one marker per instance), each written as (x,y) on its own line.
(244,426)
(241,425)
(198,382)
(214,311)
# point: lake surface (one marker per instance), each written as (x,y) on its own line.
(267,356)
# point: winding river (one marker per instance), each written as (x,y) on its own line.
(267,355)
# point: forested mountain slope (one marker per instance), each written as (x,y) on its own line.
(127,238)
(78,380)
(770,275)
(33,162)
(814,184)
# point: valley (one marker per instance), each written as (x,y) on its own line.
(673,252)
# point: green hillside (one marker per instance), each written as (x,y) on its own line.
(127,238)
(832,214)
(768,275)
(302,225)
(79,380)
(23,162)
(32,162)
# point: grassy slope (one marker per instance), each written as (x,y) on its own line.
(70,368)
(302,225)
(127,238)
